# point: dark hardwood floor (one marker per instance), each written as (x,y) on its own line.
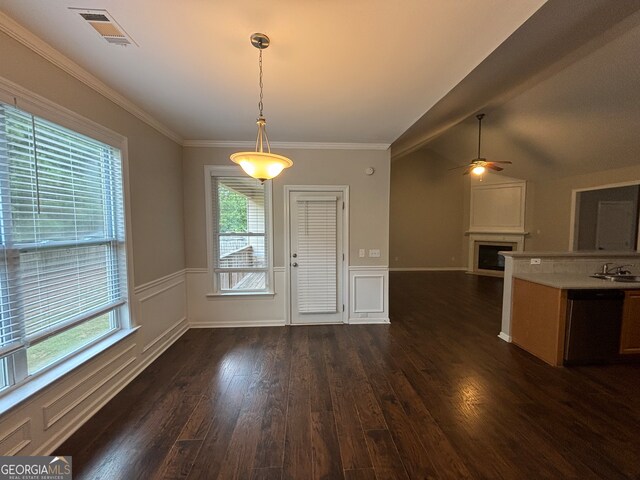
(433,395)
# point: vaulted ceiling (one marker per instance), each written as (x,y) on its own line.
(337,71)
(561,97)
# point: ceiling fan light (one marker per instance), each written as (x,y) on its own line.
(478,170)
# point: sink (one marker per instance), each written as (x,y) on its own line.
(617,278)
(625,278)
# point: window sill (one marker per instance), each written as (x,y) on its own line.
(39,381)
(242,295)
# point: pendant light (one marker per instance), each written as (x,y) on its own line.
(260,164)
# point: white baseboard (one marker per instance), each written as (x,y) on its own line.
(239,323)
(368,321)
(428,269)
(505,337)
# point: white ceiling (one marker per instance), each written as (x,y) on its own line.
(337,71)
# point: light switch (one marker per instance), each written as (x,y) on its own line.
(361,253)
(374,253)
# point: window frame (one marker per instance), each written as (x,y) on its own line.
(214,287)
(16,363)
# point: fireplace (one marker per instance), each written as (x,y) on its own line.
(484,248)
(488,257)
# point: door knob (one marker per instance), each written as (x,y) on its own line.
(294,264)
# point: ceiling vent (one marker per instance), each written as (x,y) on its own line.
(103,23)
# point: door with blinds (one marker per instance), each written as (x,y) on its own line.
(316,256)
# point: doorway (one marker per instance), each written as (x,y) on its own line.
(606,218)
(316,221)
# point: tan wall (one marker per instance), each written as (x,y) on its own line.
(369,197)
(155,166)
(429,213)
(551,205)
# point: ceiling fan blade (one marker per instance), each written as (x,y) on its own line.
(494,167)
(466,172)
(504,161)
(459,166)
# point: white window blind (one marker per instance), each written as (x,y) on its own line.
(317,255)
(240,247)
(62,259)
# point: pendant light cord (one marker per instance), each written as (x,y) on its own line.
(479,132)
(260,105)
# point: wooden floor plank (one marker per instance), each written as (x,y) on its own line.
(178,463)
(297,462)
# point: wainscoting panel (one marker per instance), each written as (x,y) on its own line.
(369,294)
(233,311)
(16,438)
(39,424)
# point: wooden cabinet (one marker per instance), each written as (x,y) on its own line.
(538,317)
(630,333)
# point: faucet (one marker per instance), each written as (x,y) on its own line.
(605,268)
(622,270)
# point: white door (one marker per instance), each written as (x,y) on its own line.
(615,226)
(316,257)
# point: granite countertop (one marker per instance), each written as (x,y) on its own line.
(575,281)
(586,254)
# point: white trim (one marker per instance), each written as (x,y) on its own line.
(24,428)
(46,51)
(287,145)
(238,323)
(505,337)
(369,321)
(154,283)
(181,324)
(105,375)
(428,269)
(381,296)
(574,206)
(519,228)
(138,368)
(41,380)
(24,99)
(364,268)
(196,270)
(288,189)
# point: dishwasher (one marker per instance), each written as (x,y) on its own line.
(594,319)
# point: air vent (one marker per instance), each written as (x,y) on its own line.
(103,23)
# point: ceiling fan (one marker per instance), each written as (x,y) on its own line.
(479,165)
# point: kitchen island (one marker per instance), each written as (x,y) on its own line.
(535,299)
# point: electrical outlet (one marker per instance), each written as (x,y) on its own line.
(361,253)
(374,253)
(535,261)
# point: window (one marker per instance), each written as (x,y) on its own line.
(238,224)
(62,243)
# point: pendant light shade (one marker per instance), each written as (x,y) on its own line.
(261,164)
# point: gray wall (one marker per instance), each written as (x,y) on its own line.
(369,197)
(550,219)
(155,167)
(429,213)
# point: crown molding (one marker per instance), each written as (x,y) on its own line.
(27,38)
(287,145)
